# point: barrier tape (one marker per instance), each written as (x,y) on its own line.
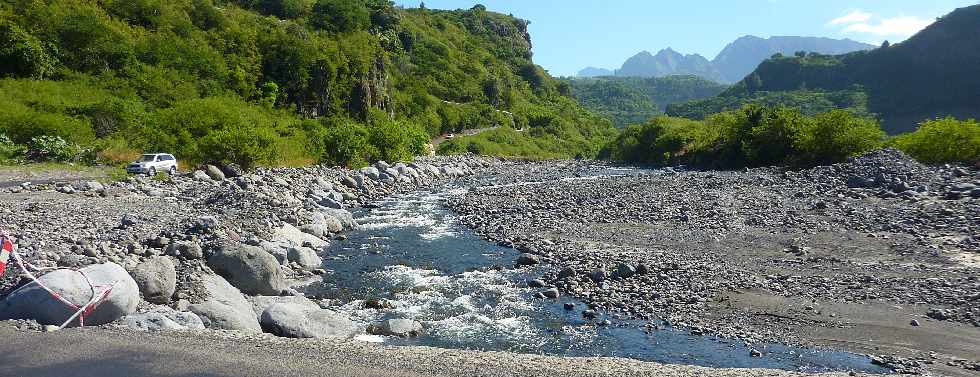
(9,249)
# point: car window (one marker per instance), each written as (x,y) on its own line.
(148,157)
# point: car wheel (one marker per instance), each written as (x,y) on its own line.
(173,170)
(152,172)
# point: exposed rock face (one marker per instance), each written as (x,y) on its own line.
(225,307)
(33,302)
(250,269)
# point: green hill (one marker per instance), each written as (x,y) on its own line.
(274,81)
(932,74)
(633,100)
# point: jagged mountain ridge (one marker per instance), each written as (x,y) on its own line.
(733,63)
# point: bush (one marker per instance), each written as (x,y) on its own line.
(752,136)
(242,145)
(943,140)
(346,144)
(9,151)
(836,135)
(51,149)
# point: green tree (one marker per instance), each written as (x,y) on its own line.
(341,16)
(21,54)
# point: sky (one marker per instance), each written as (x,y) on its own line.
(569,35)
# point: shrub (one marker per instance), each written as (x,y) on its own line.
(346,144)
(242,145)
(942,140)
(10,151)
(836,135)
(51,148)
(751,136)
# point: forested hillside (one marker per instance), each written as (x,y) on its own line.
(932,74)
(632,100)
(274,82)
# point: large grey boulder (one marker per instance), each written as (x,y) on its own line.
(165,319)
(304,256)
(316,230)
(292,235)
(250,269)
(156,279)
(225,307)
(344,216)
(371,172)
(261,303)
(201,175)
(296,321)
(33,302)
(402,328)
(214,173)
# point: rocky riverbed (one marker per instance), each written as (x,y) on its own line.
(876,256)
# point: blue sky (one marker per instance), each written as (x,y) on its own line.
(569,35)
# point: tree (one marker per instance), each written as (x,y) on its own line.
(341,16)
(21,54)
(886,44)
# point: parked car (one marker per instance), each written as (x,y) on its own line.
(151,164)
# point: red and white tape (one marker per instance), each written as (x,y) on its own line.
(81,311)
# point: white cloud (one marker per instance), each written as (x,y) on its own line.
(859,22)
(856,16)
(898,26)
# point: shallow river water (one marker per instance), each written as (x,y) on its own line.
(414,252)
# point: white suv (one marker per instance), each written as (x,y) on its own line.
(151,164)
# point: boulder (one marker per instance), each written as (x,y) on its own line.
(527,260)
(214,173)
(186,250)
(344,216)
(260,303)
(293,236)
(304,256)
(200,175)
(156,279)
(371,172)
(330,203)
(164,320)
(402,328)
(316,230)
(225,307)
(296,321)
(33,302)
(93,186)
(249,268)
(231,171)
(551,293)
(625,271)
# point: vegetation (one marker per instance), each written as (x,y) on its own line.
(631,100)
(751,136)
(274,81)
(942,140)
(809,102)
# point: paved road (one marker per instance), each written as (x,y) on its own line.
(111,352)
